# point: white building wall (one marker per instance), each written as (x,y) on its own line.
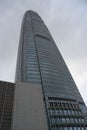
(29,110)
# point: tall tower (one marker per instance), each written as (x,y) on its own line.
(46,96)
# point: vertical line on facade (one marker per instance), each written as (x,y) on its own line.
(39,71)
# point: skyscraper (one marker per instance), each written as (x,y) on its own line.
(46,96)
(41,64)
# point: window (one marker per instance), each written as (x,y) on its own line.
(51,104)
(69,112)
(60,128)
(61,112)
(68,120)
(73,112)
(79,120)
(82,120)
(65,128)
(85,128)
(70,128)
(74,128)
(55,104)
(51,112)
(82,128)
(76,120)
(53,121)
(58,120)
(63,120)
(57,112)
(78,128)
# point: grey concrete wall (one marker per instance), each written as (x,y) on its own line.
(29,110)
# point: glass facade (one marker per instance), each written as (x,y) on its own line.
(65,114)
(40,62)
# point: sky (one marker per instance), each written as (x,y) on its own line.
(66,21)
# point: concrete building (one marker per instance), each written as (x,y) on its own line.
(6,104)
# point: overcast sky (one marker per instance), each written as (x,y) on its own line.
(67,22)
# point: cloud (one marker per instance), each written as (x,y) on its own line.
(67,22)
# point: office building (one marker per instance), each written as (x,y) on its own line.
(40,64)
(6,104)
